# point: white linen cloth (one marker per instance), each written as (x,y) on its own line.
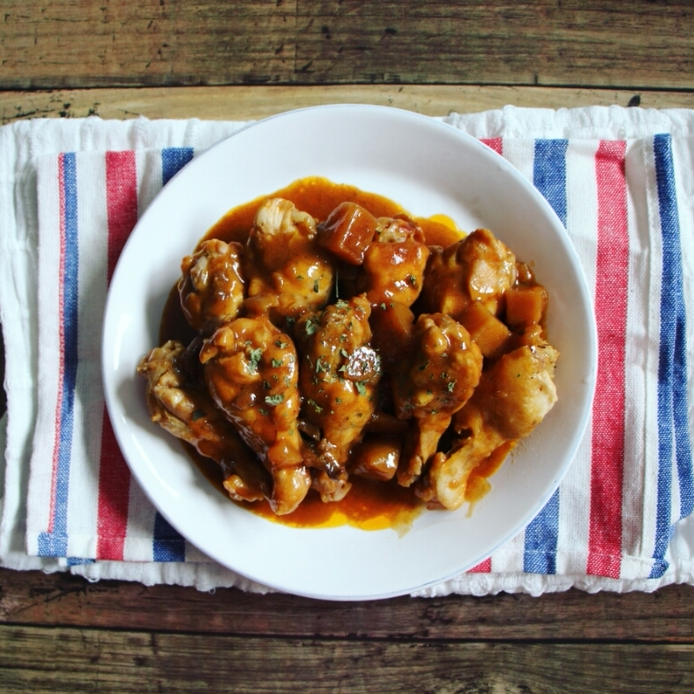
(620,179)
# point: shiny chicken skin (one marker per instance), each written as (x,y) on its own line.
(436,380)
(181,407)
(338,376)
(513,397)
(288,274)
(479,267)
(211,287)
(394,262)
(251,370)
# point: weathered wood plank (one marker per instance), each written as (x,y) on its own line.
(241,103)
(69,43)
(87,660)
(593,43)
(62,600)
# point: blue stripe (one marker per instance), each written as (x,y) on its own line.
(173,159)
(549,173)
(167,544)
(673,425)
(55,543)
(541,535)
(540,552)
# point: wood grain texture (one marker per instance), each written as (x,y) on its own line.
(63,600)
(242,103)
(94,660)
(591,43)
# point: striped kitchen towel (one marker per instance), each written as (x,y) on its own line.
(621,182)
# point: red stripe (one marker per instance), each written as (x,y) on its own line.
(495,143)
(607,460)
(114,476)
(61,342)
(484,567)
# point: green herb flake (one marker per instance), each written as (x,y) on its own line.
(316,286)
(310,326)
(254,356)
(361,388)
(280,343)
(276,363)
(275,399)
(451,386)
(315,405)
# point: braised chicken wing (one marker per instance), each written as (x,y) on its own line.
(339,373)
(437,378)
(394,262)
(251,371)
(512,398)
(211,287)
(287,272)
(182,407)
(479,268)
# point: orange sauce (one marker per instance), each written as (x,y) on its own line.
(370,505)
(319,197)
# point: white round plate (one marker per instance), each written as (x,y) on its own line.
(428,167)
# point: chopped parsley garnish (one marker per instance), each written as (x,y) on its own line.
(314,405)
(276,363)
(361,388)
(254,356)
(275,399)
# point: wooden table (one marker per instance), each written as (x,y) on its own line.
(242,60)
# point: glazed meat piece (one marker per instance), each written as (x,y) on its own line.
(437,378)
(185,410)
(513,397)
(477,268)
(347,232)
(338,377)
(394,263)
(287,272)
(250,368)
(211,286)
